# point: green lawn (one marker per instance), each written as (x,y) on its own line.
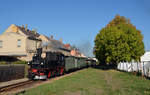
(95,82)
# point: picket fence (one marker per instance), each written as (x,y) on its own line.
(142,67)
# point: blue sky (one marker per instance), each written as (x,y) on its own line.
(76,21)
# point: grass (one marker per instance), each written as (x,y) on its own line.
(3,63)
(26,70)
(14,62)
(20,62)
(95,82)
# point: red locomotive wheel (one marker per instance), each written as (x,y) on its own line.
(61,71)
(49,74)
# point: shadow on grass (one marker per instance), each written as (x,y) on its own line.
(21,92)
(104,67)
(138,74)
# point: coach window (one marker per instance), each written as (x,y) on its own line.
(1,44)
(19,43)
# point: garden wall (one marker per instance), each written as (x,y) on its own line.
(11,72)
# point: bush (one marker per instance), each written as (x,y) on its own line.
(20,62)
(3,62)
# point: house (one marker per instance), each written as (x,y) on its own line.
(145,63)
(68,46)
(146,57)
(74,51)
(44,39)
(20,42)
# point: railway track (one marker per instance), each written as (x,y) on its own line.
(15,86)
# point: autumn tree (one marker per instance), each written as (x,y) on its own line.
(119,41)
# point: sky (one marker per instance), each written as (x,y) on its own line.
(75,21)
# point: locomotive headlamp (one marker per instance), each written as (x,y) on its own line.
(28,63)
(42,63)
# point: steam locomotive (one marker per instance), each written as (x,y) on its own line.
(55,63)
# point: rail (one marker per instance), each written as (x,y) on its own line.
(10,87)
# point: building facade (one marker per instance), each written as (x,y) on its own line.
(20,42)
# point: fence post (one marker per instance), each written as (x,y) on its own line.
(123,66)
(143,69)
(131,67)
(148,72)
(120,66)
(126,67)
(137,66)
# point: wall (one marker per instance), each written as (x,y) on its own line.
(9,44)
(13,28)
(27,58)
(44,38)
(32,45)
(11,72)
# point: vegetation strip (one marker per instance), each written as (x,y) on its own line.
(93,81)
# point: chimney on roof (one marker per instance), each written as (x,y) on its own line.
(22,26)
(26,27)
(51,37)
(34,31)
(60,40)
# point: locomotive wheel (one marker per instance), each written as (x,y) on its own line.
(61,71)
(53,74)
(49,74)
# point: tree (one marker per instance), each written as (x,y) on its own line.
(119,41)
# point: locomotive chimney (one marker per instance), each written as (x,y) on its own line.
(51,37)
(60,40)
(34,31)
(22,26)
(26,27)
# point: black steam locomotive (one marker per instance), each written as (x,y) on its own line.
(55,63)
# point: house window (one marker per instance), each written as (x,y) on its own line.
(18,43)
(1,44)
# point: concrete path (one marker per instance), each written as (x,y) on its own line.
(3,84)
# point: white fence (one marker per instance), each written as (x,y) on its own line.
(143,67)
